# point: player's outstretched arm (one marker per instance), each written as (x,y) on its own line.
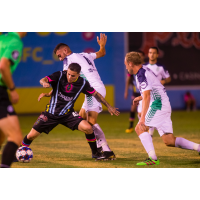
(44,82)
(45,95)
(102,43)
(100,99)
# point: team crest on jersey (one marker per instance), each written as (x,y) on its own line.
(69,87)
(15,55)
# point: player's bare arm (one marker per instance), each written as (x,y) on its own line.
(45,95)
(145,107)
(165,81)
(100,99)
(102,43)
(137,99)
(44,82)
(7,78)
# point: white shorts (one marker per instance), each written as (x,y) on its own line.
(160,120)
(139,108)
(91,104)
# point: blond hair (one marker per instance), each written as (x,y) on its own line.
(134,57)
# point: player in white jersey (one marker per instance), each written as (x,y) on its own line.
(156,110)
(91,107)
(130,80)
(159,71)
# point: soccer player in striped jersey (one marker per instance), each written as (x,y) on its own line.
(67,86)
(159,71)
(156,110)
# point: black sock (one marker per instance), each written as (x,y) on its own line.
(26,142)
(8,154)
(132,118)
(92,142)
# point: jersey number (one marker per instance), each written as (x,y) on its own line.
(88,61)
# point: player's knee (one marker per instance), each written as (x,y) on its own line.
(88,129)
(137,130)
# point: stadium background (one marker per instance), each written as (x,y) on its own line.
(179,52)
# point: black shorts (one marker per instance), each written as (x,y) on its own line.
(6,107)
(46,121)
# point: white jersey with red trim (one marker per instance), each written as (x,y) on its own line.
(88,68)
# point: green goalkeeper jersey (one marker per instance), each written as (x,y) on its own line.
(11,48)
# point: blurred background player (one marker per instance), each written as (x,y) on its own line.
(158,70)
(10,53)
(130,80)
(91,107)
(189,101)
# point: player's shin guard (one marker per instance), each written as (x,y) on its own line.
(92,142)
(146,140)
(8,154)
(101,140)
(186,144)
(26,142)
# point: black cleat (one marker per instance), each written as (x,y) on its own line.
(98,153)
(106,155)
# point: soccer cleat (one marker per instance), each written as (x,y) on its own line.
(149,161)
(98,153)
(129,130)
(106,155)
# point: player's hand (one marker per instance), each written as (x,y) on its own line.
(14,96)
(142,125)
(46,85)
(113,110)
(125,95)
(41,96)
(103,39)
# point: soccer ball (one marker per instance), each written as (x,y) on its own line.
(24,154)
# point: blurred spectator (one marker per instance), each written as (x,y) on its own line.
(190,101)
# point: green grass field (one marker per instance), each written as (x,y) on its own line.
(64,148)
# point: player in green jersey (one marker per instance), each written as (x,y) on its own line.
(10,53)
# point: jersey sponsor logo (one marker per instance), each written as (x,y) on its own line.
(15,55)
(143,85)
(66,98)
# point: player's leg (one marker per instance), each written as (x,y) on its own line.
(11,128)
(83,114)
(85,127)
(171,141)
(28,139)
(131,119)
(2,138)
(45,123)
(147,142)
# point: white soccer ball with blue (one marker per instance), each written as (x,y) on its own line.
(24,154)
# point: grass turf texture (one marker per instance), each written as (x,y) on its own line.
(63,148)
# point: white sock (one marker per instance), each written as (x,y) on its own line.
(101,140)
(151,130)
(186,144)
(146,140)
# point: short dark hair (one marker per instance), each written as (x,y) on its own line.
(75,67)
(142,52)
(156,48)
(59,46)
